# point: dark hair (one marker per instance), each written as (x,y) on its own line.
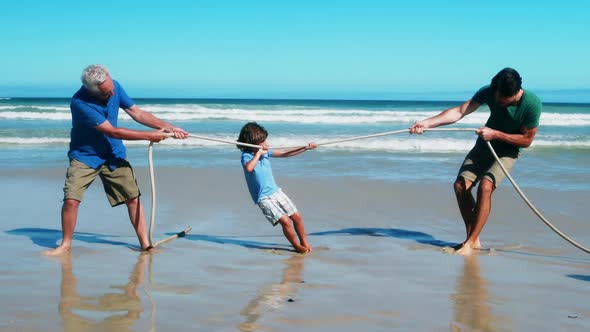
(252,133)
(506,83)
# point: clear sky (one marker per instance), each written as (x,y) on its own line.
(295,49)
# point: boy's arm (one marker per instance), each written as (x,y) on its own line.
(251,164)
(293,152)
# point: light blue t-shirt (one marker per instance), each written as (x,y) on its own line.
(89,145)
(260,181)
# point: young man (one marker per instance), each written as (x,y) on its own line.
(512,125)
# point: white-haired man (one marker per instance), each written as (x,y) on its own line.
(96,149)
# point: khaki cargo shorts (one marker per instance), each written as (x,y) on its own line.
(119,185)
(481,164)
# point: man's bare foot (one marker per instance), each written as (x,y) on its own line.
(309,248)
(464,249)
(476,244)
(62,249)
(149,249)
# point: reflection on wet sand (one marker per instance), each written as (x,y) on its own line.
(275,295)
(472,310)
(121,309)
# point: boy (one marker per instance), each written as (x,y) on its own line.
(275,205)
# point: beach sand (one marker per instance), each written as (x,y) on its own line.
(378,264)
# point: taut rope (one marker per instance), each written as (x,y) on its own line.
(516,187)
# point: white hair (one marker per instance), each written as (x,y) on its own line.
(93,76)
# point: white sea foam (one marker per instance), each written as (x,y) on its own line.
(33,140)
(41,108)
(35,115)
(303,116)
(414,143)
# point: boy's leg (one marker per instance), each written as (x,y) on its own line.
(300,230)
(285,222)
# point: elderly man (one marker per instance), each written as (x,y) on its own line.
(513,122)
(96,149)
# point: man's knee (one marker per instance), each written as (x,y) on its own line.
(71,204)
(460,186)
(486,186)
(132,201)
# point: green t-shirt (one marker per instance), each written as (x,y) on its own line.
(509,119)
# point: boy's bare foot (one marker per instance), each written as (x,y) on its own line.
(300,249)
(61,249)
(309,248)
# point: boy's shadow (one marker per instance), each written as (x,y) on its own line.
(579,277)
(238,242)
(419,237)
(48,237)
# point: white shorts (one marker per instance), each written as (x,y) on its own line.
(275,206)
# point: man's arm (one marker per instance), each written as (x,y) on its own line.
(522,140)
(130,134)
(148,119)
(446,117)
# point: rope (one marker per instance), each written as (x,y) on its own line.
(223,141)
(153,208)
(535,210)
(516,187)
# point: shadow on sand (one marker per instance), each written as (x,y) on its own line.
(579,277)
(48,237)
(237,241)
(419,237)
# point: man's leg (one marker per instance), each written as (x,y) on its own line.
(137,218)
(300,230)
(466,202)
(482,212)
(69,215)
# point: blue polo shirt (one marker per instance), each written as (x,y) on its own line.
(89,145)
(261,182)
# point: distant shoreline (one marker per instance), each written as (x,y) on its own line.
(372,102)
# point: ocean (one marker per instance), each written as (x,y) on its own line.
(378,213)
(34,133)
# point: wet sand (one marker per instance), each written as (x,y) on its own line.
(378,264)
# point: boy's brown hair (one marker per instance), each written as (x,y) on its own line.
(252,133)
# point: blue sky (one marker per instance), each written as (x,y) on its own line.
(296,49)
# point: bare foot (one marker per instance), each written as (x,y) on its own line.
(464,249)
(300,249)
(62,249)
(150,250)
(477,244)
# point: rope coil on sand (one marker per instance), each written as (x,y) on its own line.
(516,187)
